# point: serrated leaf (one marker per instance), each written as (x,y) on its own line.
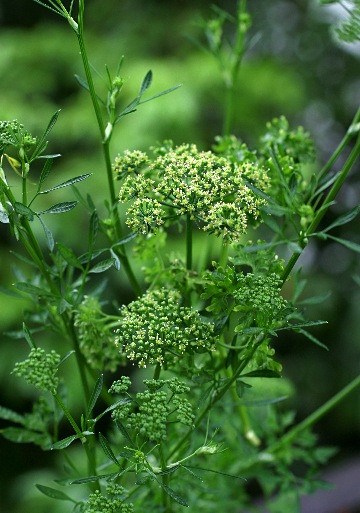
(53,493)
(146,83)
(48,234)
(13,416)
(69,256)
(107,449)
(59,208)
(95,394)
(67,183)
(93,230)
(23,210)
(92,479)
(102,266)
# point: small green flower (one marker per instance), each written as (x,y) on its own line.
(40,369)
(156,329)
(98,503)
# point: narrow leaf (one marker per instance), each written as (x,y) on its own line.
(48,234)
(65,442)
(23,210)
(69,256)
(353,246)
(102,266)
(32,289)
(41,145)
(312,338)
(95,395)
(174,495)
(82,83)
(23,436)
(146,83)
(344,219)
(53,493)
(112,407)
(13,416)
(107,449)
(126,239)
(261,373)
(117,263)
(67,183)
(28,337)
(124,432)
(59,208)
(167,91)
(45,172)
(93,229)
(92,479)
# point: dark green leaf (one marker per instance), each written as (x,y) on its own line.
(11,292)
(353,246)
(124,432)
(107,449)
(69,256)
(23,436)
(92,479)
(304,324)
(54,494)
(167,91)
(23,210)
(32,289)
(126,239)
(65,442)
(312,338)
(59,208)
(146,83)
(95,395)
(345,218)
(112,407)
(93,229)
(102,266)
(69,353)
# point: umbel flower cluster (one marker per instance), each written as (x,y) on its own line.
(113,503)
(162,402)
(12,133)
(156,329)
(211,189)
(40,369)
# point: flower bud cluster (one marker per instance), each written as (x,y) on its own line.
(155,329)
(211,189)
(95,337)
(40,369)
(259,296)
(12,133)
(155,408)
(114,503)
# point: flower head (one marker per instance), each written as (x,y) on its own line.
(40,369)
(156,329)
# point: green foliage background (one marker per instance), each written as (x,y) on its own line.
(293,68)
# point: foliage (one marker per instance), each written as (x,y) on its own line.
(202,331)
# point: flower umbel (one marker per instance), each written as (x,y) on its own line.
(156,329)
(182,180)
(40,369)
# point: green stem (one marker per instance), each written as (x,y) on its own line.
(165,481)
(322,211)
(189,244)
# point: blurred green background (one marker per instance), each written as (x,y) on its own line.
(293,67)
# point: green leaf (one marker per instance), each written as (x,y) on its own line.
(69,256)
(28,337)
(312,338)
(59,208)
(112,407)
(167,91)
(95,395)
(48,234)
(174,495)
(93,230)
(45,172)
(41,145)
(126,239)
(32,290)
(65,442)
(107,449)
(82,83)
(347,243)
(67,183)
(23,436)
(53,493)
(146,83)
(344,219)
(261,373)
(13,416)
(124,432)
(104,265)
(23,210)
(92,479)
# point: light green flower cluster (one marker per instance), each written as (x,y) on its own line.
(155,408)
(258,298)
(12,133)
(182,180)
(96,338)
(155,329)
(40,369)
(120,386)
(114,503)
